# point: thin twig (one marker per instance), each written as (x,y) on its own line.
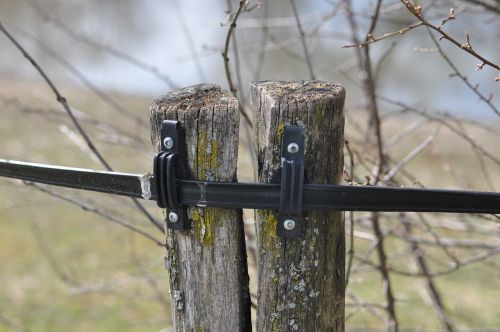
(52,260)
(225,56)
(469,261)
(303,41)
(416,10)
(96,211)
(237,65)
(59,97)
(82,78)
(392,323)
(370,90)
(409,157)
(450,242)
(62,100)
(475,145)
(101,47)
(430,284)
(108,132)
(372,39)
(350,253)
(364,62)
(396,138)
(263,42)
(360,304)
(456,72)
(189,39)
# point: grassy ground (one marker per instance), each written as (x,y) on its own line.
(62,267)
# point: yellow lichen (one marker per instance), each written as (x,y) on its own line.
(269,221)
(204,221)
(207,156)
(199,328)
(280,129)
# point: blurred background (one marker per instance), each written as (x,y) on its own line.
(67,262)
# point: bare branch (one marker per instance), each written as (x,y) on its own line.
(118,54)
(73,118)
(189,39)
(416,10)
(392,324)
(350,253)
(225,56)
(303,41)
(413,154)
(85,81)
(96,211)
(430,284)
(456,72)
(373,39)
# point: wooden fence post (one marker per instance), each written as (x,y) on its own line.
(207,264)
(301,281)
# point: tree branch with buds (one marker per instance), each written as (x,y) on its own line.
(416,10)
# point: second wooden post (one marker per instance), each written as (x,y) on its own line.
(301,281)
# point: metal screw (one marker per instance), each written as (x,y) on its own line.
(168,142)
(289,224)
(173,217)
(293,148)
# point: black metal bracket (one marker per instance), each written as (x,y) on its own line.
(172,188)
(169,165)
(291,219)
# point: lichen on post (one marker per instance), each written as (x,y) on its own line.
(207,264)
(301,281)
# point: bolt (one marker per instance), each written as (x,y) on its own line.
(293,148)
(173,217)
(289,224)
(168,142)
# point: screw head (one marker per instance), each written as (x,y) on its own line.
(168,142)
(289,224)
(173,217)
(293,148)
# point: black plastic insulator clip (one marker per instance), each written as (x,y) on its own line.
(169,165)
(291,219)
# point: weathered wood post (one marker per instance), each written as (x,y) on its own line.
(207,264)
(301,281)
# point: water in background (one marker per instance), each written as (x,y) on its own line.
(183,40)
